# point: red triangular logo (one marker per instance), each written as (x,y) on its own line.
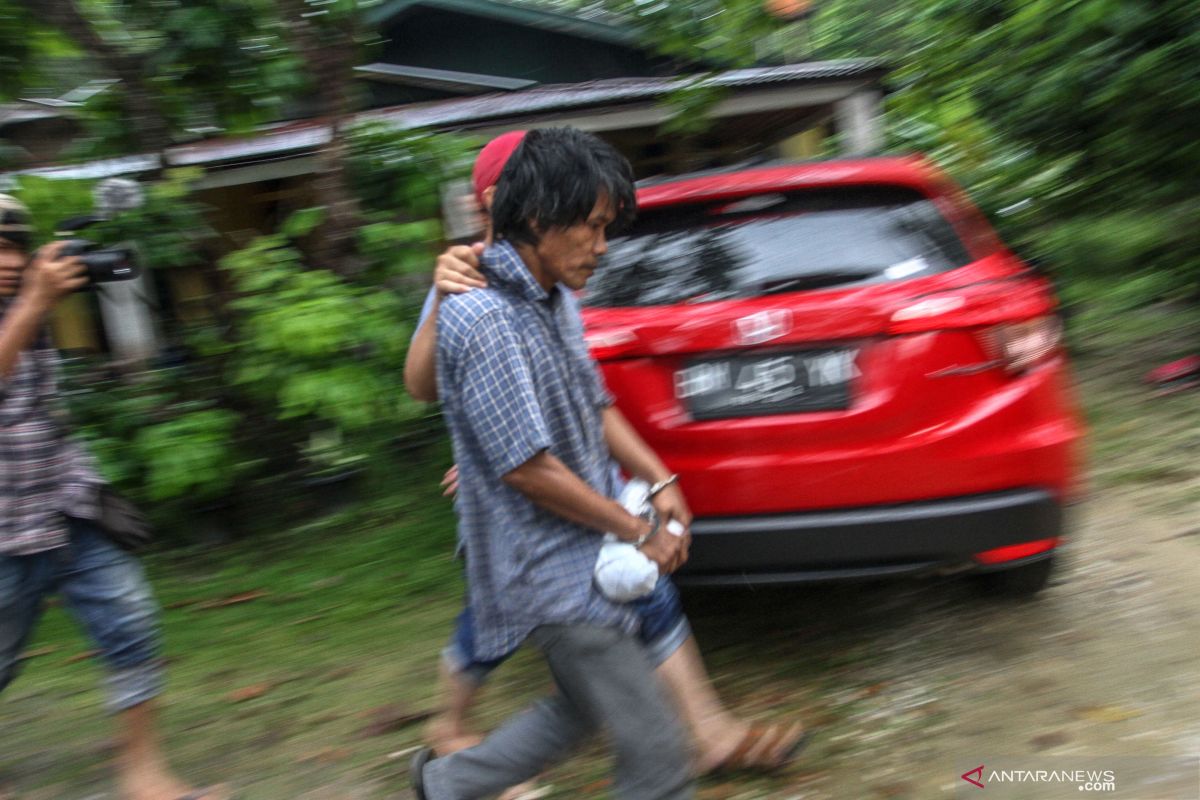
(978,773)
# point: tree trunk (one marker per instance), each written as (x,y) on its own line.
(329,50)
(148,125)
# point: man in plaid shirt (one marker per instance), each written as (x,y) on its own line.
(524,405)
(49,540)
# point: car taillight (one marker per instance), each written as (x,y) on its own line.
(1021,345)
(609,344)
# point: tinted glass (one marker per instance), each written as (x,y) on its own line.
(774,243)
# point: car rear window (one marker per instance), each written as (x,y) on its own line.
(775,243)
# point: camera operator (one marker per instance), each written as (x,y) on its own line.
(49,506)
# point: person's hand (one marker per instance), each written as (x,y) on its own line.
(670,504)
(668,551)
(450,481)
(51,278)
(457,270)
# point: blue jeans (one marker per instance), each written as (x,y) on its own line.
(663,629)
(106,591)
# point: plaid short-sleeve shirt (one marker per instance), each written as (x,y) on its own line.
(44,473)
(515,379)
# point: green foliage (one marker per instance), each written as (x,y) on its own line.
(303,222)
(689,108)
(169,229)
(221,63)
(315,347)
(18,65)
(52,201)
(1076,118)
(728,33)
(157,437)
(109,413)
(398,177)
(401,171)
(301,374)
(190,456)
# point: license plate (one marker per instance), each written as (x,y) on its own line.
(767,383)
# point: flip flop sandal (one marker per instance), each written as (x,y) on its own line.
(765,748)
(416,772)
(533,793)
(206,793)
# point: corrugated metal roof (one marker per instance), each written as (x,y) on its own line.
(561,97)
(443,79)
(814,70)
(462,112)
(16,113)
(302,136)
(94,170)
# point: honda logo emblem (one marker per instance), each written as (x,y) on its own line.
(763,326)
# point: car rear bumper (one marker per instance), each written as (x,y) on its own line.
(869,542)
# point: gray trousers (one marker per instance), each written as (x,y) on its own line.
(605,682)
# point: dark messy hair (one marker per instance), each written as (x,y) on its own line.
(554,179)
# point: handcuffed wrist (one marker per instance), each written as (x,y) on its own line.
(663,484)
(655,523)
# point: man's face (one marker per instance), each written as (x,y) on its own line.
(12,263)
(570,254)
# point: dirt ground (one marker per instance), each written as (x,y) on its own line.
(937,680)
(908,684)
(911,684)
(914,684)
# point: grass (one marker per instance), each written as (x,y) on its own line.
(302,689)
(347,615)
(1139,440)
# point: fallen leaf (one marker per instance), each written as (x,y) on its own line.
(1106,713)
(596,787)
(1046,741)
(328,755)
(38,651)
(249,692)
(324,719)
(84,656)
(232,600)
(391,718)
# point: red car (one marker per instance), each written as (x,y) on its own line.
(849,371)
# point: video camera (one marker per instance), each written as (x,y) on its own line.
(103,264)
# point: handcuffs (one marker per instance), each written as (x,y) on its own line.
(653,517)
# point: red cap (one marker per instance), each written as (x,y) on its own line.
(491,160)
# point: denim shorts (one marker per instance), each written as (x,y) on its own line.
(662,631)
(106,591)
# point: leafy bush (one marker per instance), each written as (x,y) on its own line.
(190,456)
(300,379)
(1072,124)
(316,348)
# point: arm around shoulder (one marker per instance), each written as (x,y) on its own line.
(420,364)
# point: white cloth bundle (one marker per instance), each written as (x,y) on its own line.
(624,573)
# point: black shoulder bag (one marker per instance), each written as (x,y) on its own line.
(121,521)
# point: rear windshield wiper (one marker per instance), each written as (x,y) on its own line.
(816,280)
